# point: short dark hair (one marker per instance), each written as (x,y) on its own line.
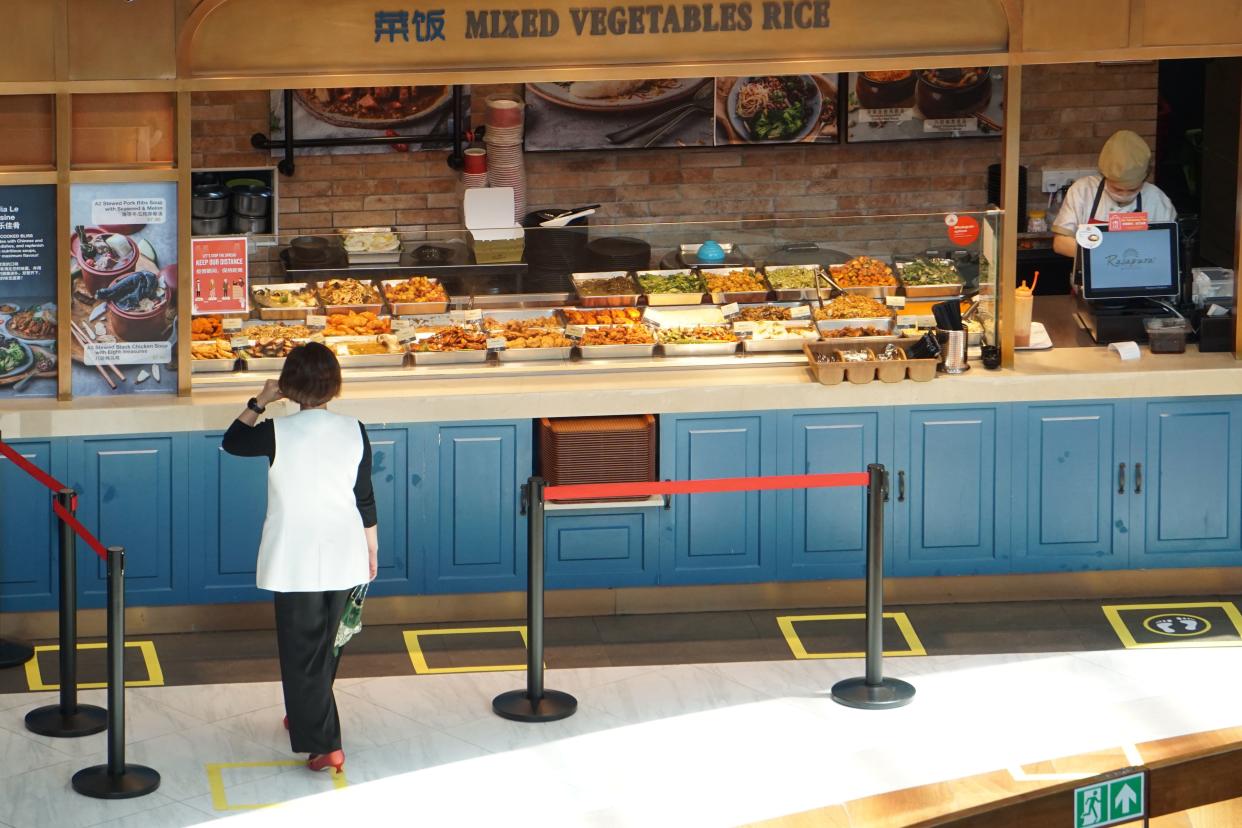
(311,375)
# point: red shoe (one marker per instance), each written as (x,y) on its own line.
(323,761)
(286,722)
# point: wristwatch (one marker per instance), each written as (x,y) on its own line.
(253,405)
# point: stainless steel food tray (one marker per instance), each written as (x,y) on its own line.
(758,346)
(616,351)
(824,325)
(372,360)
(949,289)
(872,291)
(265,363)
(534,354)
(449,357)
(283,314)
(611,301)
(700,349)
(557,321)
(411,308)
(664,299)
(211,366)
(376,308)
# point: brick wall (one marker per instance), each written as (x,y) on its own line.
(1068,111)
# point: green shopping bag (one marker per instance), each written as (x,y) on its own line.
(351,619)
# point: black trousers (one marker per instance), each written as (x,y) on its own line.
(306,625)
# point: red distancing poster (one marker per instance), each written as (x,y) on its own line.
(221,275)
(963,230)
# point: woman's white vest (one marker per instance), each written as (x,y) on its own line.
(313,539)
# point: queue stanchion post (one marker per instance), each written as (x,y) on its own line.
(873,691)
(116,779)
(535,703)
(68,719)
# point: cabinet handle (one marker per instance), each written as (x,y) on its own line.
(1121,478)
(1138,478)
(524,500)
(901,487)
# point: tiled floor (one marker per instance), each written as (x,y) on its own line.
(733,731)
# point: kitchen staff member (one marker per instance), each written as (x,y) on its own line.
(1121,187)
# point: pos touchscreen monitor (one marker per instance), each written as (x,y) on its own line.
(1132,264)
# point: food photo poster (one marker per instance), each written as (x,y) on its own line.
(28,291)
(777,109)
(123,266)
(619,114)
(905,105)
(366,112)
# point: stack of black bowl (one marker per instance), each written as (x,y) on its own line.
(552,253)
(617,253)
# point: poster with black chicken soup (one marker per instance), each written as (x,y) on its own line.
(911,105)
(123,264)
(28,291)
(366,112)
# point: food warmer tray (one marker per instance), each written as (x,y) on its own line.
(265,363)
(284,314)
(880,292)
(801,294)
(824,325)
(611,301)
(945,291)
(534,354)
(412,308)
(616,351)
(372,360)
(212,366)
(449,357)
(758,346)
(700,349)
(746,297)
(527,313)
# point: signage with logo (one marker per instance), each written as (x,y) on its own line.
(221,274)
(1124,222)
(1186,624)
(1111,802)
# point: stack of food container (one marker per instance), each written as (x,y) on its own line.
(506,166)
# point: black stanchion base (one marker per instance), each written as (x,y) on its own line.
(13,654)
(134,781)
(49,721)
(856,692)
(517,706)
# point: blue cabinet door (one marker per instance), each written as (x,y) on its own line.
(956,465)
(1187,495)
(822,533)
(134,493)
(608,547)
(29,545)
(478,543)
(226,521)
(716,538)
(1068,512)
(394,500)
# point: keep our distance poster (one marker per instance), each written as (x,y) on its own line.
(28,291)
(123,260)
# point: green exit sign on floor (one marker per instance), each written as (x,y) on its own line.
(1111,802)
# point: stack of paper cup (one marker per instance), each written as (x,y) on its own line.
(474,168)
(505,165)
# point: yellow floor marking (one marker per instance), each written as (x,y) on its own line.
(786,623)
(1113,613)
(155,674)
(220,799)
(419,660)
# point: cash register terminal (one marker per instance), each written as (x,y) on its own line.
(1127,278)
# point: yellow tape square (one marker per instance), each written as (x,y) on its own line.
(220,799)
(155,674)
(1113,613)
(786,623)
(419,660)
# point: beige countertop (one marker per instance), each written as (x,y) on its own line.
(501,393)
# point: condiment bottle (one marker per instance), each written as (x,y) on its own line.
(1024,302)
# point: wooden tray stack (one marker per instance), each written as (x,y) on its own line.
(577,450)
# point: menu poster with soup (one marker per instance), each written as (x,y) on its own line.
(619,114)
(905,105)
(777,109)
(123,261)
(28,291)
(367,112)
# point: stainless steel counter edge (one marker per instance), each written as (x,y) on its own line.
(1069,374)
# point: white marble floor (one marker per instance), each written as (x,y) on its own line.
(705,745)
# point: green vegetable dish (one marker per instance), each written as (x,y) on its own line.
(12,355)
(790,278)
(671,283)
(930,272)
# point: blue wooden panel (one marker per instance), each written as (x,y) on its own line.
(822,532)
(957,463)
(134,495)
(479,543)
(719,537)
(226,521)
(390,455)
(1074,517)
(601,548)
(29,545)
(1191,504)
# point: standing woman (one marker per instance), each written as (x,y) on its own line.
(319,537)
